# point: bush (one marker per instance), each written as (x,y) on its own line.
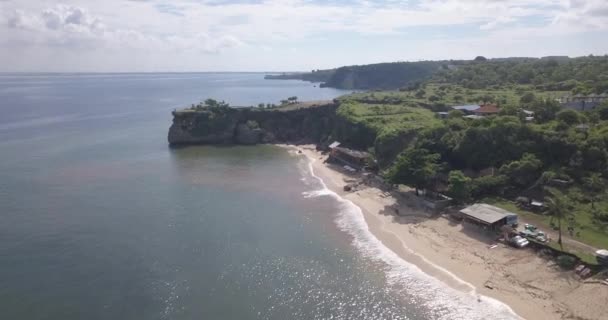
(527,98)
(568,116)
(488,185)
(566,262)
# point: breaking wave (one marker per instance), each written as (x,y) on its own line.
(442,301)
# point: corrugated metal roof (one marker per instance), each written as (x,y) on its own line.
(469,107)
(334,144)
(486,213)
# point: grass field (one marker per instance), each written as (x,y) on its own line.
(387,118)
(450,95)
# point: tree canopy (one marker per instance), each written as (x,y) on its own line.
(415,167)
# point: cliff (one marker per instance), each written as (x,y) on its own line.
(308,124)
(382,75)
(314,76)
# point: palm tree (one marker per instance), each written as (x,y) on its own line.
(594,184)
(558,209)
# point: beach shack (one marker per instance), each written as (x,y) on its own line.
(488,216)
(348,157)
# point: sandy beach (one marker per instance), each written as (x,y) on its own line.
(461,257)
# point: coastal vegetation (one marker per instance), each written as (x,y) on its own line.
(579,75)
(504,156)
(559,156)
(382,75)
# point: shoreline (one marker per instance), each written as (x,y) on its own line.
(525,284)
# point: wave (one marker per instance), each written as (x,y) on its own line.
(442,301)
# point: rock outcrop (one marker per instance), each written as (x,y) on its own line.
(310,124)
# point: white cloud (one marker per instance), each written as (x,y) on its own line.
(589,14)
(214,34)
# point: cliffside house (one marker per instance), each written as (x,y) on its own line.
(467,109)
(352,158)
(488,216)
(528,115)
(583,102)
(442,115)
(487,110)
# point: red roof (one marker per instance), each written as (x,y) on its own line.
(488,109)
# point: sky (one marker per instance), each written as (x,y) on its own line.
(287,35)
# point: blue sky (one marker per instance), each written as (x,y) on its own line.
(279,35)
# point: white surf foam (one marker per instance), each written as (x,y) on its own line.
(443,301)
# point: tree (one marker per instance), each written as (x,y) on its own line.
(480,58)
(488,185)
(415,167)
(459,186)
(527,98)
(569,117)
(420,94)
(455,114)
(509,111)
(434,98)
(602,111)
(594,184)
(211,103)
(545,109)
(558,209)
(523,172)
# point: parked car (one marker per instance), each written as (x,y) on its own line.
(532,232)
(534,235)
(602,257)
(519,241)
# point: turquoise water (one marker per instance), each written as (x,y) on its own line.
(101,220)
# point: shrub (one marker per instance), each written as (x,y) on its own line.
(566,262)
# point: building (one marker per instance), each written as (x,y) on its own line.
(442,115)
(468,109)
(352,158)
(583,102)
(487,110)
(488,216)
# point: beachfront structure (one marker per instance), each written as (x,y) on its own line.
(488,216)
(352,158)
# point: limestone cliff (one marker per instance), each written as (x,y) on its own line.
(310,124)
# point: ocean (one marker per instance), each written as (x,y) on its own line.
(100,219)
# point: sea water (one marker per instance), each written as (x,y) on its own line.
(100,219)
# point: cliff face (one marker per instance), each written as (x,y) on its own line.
(251,126)
(382,75)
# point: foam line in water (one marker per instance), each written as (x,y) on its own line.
(444,302)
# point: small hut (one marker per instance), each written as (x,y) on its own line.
(488,216)
(349,157)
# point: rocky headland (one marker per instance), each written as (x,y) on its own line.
(311,123)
